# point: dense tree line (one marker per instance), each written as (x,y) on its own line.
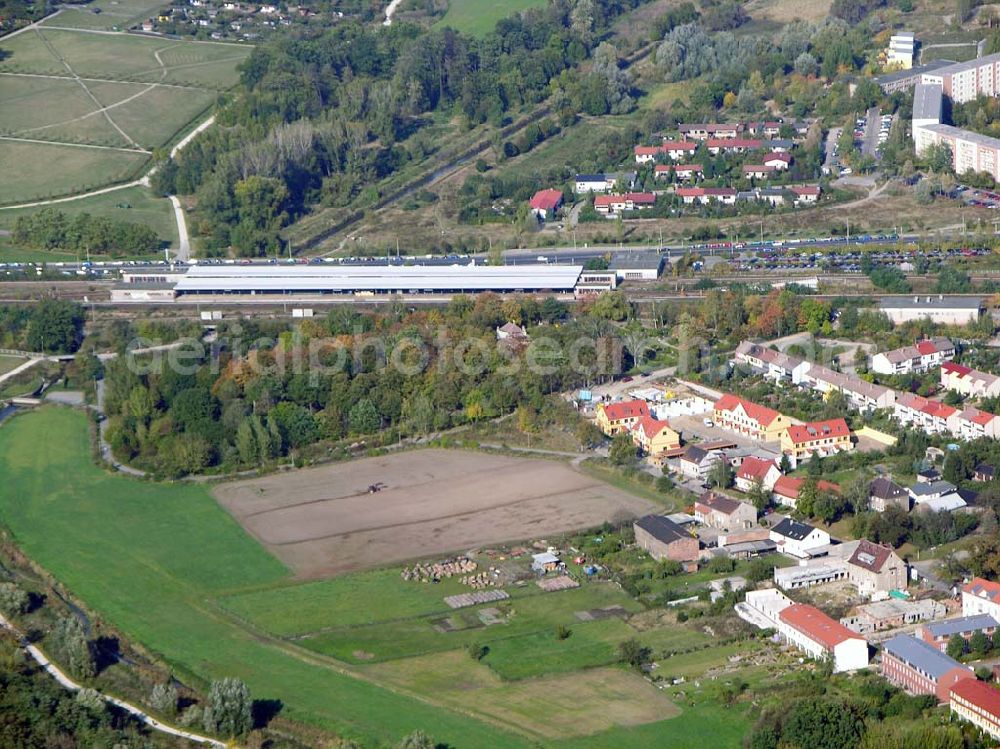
(322,116)
(52,326)
(359,374)
(874,716)
(51,229)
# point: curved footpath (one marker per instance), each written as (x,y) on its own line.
(72,686)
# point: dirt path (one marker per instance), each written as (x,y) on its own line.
(69,69)
(67,683)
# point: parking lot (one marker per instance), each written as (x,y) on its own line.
(693,428)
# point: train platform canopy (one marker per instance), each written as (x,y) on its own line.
(277,279)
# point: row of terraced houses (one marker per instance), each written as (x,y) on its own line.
(931,417)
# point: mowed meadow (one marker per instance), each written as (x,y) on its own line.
(359,654)
(98,104)
(479,17)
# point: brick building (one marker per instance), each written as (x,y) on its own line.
(664,539)
(919,668)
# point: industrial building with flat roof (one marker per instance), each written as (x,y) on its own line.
(945,309)
(375,279)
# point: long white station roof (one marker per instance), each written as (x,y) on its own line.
(346,278)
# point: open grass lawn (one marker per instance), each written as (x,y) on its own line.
(530,623)
(556,707)
(112,68)
(696,727)
(34,171)
(11,254)
(787,11)
(32,103)
(149,558)
(135,204)
(156,117)
(7,363)
(353,600)
(479,17)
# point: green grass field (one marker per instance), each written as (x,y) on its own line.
(158,116)
(153,560)
(11,254)
(8,363)
(148,557)
(134,204)
(123,73)
(479,17)
(29,173)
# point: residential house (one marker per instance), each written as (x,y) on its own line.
(545,203)
(696,463)
(919,668)
(875,569)
(772,195)
(732,145)
(971,424)
(770,129)
(786,490)
(585,183)
(724,131)
(929,475)
(968,381)
(683,172)
(978,703)
(631,201)
(778,161)
(721,512)
(757,171)
(755,472)
(664,539)
(984,472)
(861,395)
(939,634)
(823,638)
(921,413)
(920,357)
(798,539)
(750,419)
(705,195)
(805,193)
(771,363)
(613,418)
(823,438)
(936,496)
(884,493)
(981,596)
(676,150)
(653,436)
(512,332)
